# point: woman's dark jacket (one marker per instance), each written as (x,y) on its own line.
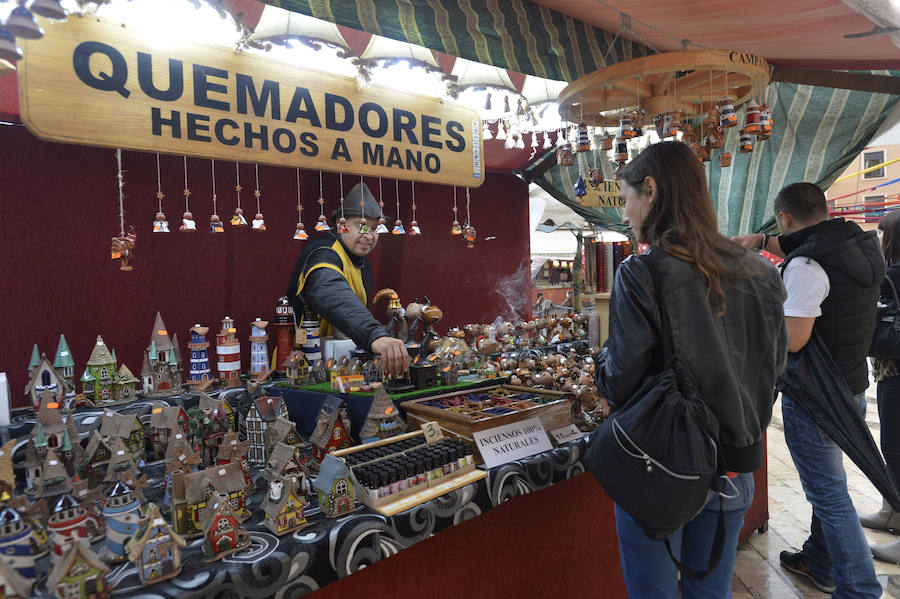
(734,359)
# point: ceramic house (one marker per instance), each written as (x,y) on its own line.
(125,384)
(79,573)
(222,531)
(282,462)
(123,516)
(90,499)
(126,427)
(228,353)
(284,330)
(383,419)
(296,368)
(70,521)
(199,373)
(16,545)
(262,413)
(54,480)
(283,505)
(259,349)
(199,486)
(49,429)
(232,451)
(101,367)
(155,549)
(332,430)
(64,365)
(96,459)
(12,584)
(7,474)
(44,378)
(218,417)
(34,360)
(284,431)
(165,422)
(334,486)
(161,370)
(218,405)
(121,460)
(35,514)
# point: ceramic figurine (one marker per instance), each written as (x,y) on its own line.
(725,159)
(228,353)
(284,330)
(606,141)
(161,370)
(383,419)
(319,372)
(580,187)
(564,156)
(283,505)
(752,118)
(160,224)
(125,384)
(44,378)
(223,534)
(727,116)
(165,422)
(120,461)
(258,223)
(716,137)
(127,427)
(637,122)
(296,368)
(259,349)
(625,129)
(238,219)
(227,480)
(332,430)
(70,521)
(123,516)
(469,234)
(215,224)
(262,412)
(199,375)
(16,545)
(300,233)
(232,451)
(746,142)
(156,548)
(335,488)
(188,224)
(79,573)
(396,326)
(582,139)
(620,155)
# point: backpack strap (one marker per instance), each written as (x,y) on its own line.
(715,555)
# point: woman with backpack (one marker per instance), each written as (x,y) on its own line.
(887,375)
(723,308)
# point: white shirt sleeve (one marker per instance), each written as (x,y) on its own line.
(807,287)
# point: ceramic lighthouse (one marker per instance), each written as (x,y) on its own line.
(228,353)
(123,516)
(284,330)
(199,347)
(259,349)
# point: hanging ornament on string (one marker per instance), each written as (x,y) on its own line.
(469,233)
(486,130)
(187,219)
(342,222)
(238,219)
(381,228)
(259,223)
(364,228)
(215,223)
(413,225)
(322,224)
(455,229)
(122,247)
(547,145)
(300,233)
(596,173)
(398,224)
(160,224)
(501,130)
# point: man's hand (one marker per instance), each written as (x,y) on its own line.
(394,357)
(750,242)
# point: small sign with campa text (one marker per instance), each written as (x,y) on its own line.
(510,442)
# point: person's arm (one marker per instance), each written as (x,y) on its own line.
(799,330)
(633,343)
(759,241)
(807,286)
(329,294)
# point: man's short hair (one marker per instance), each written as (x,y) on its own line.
(804,202)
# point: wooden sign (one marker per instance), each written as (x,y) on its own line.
(606,195)
(96,83)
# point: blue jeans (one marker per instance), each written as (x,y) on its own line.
(649,572)
(836,551)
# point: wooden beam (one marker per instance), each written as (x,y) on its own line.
(882,84)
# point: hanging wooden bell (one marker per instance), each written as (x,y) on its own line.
(727,116)
(751,117)
(725,159)
(746,142)
(398,228)
(596,177)
(582,139)
(455,229)
(564,156)
(414,229)
(625,126)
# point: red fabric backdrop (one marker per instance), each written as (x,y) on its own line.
(59,209)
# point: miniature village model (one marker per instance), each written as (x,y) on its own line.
(228,353)
(199,374)
(223,534)
(161,371)
(259,349)
(283,505)
(332,431)
(261,414)
(155,549)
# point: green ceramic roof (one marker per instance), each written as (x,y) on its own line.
(63,357)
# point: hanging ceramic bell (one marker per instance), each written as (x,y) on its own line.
(364,228)
(300,233)
(469,234)
(160,224)
(725,159)
(746,142)
(658,122)
(675,126)
(322,224)
(50,9)
(596,177)
(582,139)
(625,126)
(620,154)
(606,141)
(727,116)
(21,24)
(486,130)
(765,119)
(9,51)
(381,228)
(455,229)
(238,219)
(716,137)
(698,151)
(258,224)
(215,224)
(547,145)
(414,229)
(398,228)
(187,223)
(751,117)
(342,225)
(637,122)
(564,156)
(501,131)
(712,116)
(580,187)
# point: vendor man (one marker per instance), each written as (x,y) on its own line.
(333,278)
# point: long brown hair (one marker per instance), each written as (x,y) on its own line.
(890,241)
(681,218)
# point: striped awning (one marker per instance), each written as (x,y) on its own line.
(512,34)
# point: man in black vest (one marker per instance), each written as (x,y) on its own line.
(832,272)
